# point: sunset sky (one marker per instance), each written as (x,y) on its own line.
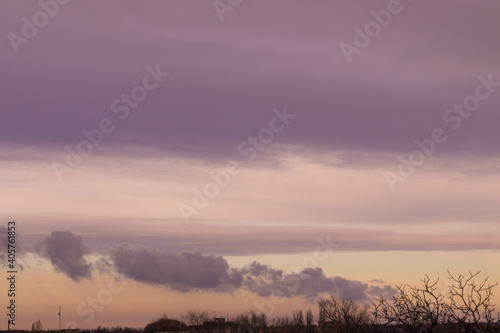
(244,155)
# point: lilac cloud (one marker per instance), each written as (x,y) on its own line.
(181,271)
(66,251)
(195,271)
(308,283)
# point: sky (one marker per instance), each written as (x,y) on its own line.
(243,155)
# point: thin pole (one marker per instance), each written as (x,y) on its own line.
(59,317)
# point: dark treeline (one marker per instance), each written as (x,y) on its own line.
(464,307)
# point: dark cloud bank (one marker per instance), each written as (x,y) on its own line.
(196,271)
(357,107)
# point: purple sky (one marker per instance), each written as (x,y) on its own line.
(324,174)
(226,76)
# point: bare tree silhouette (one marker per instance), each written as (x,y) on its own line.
(198,316)
(350,316)
(37,326)
(417,309)
(470,303)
